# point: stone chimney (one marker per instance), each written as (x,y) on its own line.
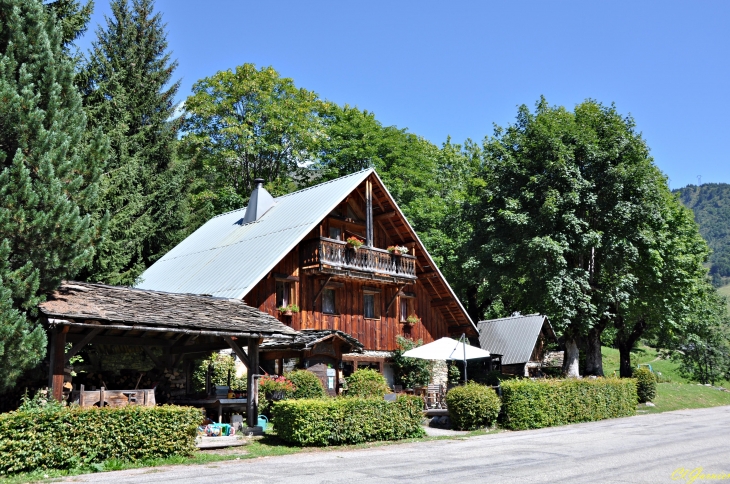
(260,203)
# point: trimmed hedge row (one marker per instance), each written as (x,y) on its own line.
(533,404)
(645,384)
(347,420)
(75,437)
(472,406)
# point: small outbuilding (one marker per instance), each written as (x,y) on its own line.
(172,329)
(523,342)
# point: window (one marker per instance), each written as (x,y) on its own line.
(407,307)
(283,293)
(335,233)
(371,305)
(328,301)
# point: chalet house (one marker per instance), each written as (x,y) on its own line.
(293,251)
(522,343)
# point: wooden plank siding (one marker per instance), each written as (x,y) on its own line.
(372,333)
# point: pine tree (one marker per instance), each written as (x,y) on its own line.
(127,93)
(48,175)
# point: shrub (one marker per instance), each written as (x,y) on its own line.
(645,384)
(51,438)
(308,385)
(271,389)
(409,372)
(221,365)
(532,404)
(336,421)
(472,406)
(366,383)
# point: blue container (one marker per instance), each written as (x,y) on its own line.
(263,421)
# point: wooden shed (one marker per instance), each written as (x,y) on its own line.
(177,325)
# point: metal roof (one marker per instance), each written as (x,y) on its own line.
(226,258)
(514,338)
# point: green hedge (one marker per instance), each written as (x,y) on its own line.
(75,437)
(308,385)
(532,404)
(472,406)
(366,383)
(645,384)
(346,420)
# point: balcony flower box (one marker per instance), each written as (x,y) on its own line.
(398,250)
(289,310)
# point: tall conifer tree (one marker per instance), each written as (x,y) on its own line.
(128,93)
(48,174)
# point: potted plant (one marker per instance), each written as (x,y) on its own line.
(289,310)
(354,242)
(397,249)
(412,320)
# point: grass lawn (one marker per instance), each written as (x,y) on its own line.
(668,369)
(678,396)
(725,291)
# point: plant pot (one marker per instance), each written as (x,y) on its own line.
(287,313)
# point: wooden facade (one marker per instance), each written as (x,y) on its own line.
(394,286)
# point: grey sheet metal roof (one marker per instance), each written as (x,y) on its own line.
(224,258)
(514,338)
(114,304)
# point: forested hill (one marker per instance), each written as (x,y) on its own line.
(711,205)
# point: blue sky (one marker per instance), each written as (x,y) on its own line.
(456,68)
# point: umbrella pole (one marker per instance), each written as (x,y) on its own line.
(463,341)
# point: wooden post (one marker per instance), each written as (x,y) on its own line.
(368,213)
(252,383)
(51,355)
(59,362)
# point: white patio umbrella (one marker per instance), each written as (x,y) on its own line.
(448,349)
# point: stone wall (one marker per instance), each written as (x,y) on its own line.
(439,372)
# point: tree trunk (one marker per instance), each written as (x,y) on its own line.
(625,358)
(594,360)
(570,360)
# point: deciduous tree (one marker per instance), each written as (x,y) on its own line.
(567,198)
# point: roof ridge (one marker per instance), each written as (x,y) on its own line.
(512,317)
(299,191)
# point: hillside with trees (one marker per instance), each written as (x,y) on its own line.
(710,203)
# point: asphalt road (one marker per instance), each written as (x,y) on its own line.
(641,449)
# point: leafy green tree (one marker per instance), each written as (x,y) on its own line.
(566,200)
(409,372)
(669,281)
(704,347)
(129,93)
(245,124)
(48,175)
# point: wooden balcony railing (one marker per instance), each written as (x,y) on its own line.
(334,254)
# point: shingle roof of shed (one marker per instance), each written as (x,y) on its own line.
(114,304)
(307,338)
(514,338)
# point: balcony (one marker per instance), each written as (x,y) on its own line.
(335,257)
